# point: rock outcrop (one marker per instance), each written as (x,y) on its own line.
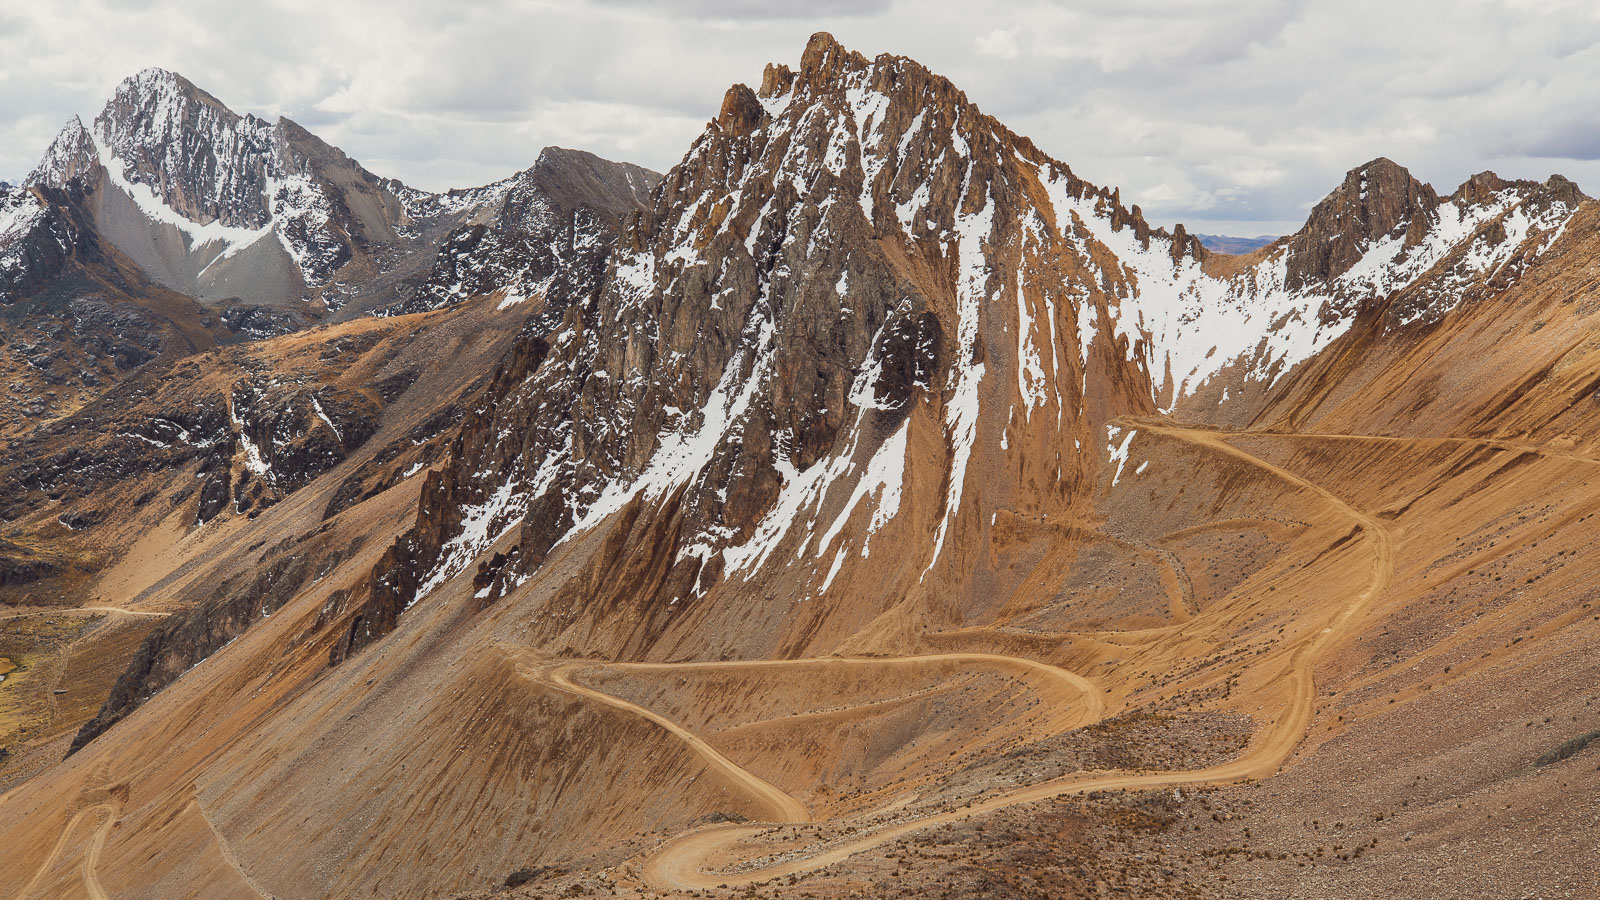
(558,220)
(1375,201)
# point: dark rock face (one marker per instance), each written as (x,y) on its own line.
(214,493)
(1377,200)
(128,337)
(911,360)
(22,565)
(374,476)
(84,457)
(257,323)
(290,434)
(263,439)
(557,220)
(395,580)
(41,233)
(780,289)
(83,345)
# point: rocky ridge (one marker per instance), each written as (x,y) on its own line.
(215,185)
(223,207)
(857,246)
(846,451)
(186,225)
(558,219)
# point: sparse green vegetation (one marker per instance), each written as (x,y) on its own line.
(1567,748)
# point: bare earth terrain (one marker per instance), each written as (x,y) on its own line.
(868,507)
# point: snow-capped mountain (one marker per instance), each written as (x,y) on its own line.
(863,314)
(189,219)
(228,207)
(803,336)
(557,221)
(870,470)
(219,205)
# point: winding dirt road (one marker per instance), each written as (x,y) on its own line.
(69,610)
(681,863)
(91,857)
(1503,444)
(784,807)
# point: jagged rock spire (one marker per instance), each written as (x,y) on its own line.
(1375,200)
(71,154)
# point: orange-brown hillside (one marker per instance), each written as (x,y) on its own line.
(896,515)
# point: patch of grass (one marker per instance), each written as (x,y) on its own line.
(32,646)
(1567,749)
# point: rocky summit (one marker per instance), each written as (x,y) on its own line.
(870,505)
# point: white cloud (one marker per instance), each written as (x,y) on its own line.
(998,44)
(1231,115)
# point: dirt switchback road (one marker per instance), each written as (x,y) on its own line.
(91,856)
(69,610)
(784,807)
(680,864)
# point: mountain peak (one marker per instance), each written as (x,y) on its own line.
(776,80)
(158,82)
(1384,194)
(71,154)
(1375,200)
(153,87)
(570,179)
(741,112)
(1486,186)
(190,148)
(825,63)
(1480,188)
(211,183)
(823,51)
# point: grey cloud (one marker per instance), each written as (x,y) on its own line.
(1557,140)
(1238,112)
(735,10)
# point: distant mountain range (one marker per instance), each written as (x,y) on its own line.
(869,505)
(1238,246)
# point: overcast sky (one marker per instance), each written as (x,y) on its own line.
(1231,116)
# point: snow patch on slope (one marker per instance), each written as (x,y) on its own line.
(1119,452)
(681,455)
(1192,325)
(505,506)
(961,416)
(20,213)
(230,239)
(254,460)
